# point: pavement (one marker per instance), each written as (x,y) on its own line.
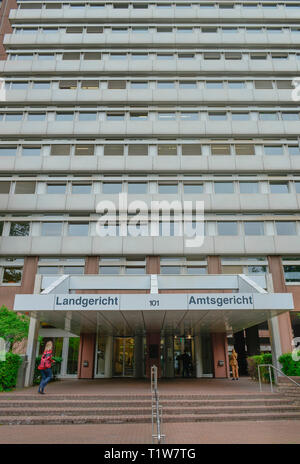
(248,432)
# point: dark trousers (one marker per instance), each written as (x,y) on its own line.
(185,370)
(46,377)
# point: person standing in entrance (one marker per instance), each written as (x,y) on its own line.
(234,365)
(45,367)
(186,364)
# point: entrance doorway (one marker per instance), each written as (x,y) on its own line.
(123,357)
(183,345)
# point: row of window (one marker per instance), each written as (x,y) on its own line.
(145,116)
(152,29)
(140,187)
(212,5)
(11,268)
(95,55)
(164,229)
(191,149)
(141,84)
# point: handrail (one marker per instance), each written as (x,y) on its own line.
(156,409)
(269,366)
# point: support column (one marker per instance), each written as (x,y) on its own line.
(284,320)
(220,355)
(65,350)
(252,341)
(108,356)
(153,265)
(198,356)
(86,356)
(169,356)
(275,341)
(32,341)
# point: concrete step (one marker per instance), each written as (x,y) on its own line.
(134,411)
(146,403)
(46,420)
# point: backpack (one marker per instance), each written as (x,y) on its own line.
(46,361)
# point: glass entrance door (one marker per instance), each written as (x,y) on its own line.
(123,360)
(182,346)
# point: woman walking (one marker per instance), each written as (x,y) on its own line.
(234,365)
(45,367)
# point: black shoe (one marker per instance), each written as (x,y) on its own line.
(42,393)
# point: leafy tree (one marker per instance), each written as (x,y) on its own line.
(13,326)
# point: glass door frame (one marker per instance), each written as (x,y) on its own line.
(123,357)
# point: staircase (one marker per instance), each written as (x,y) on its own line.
(18,409)
(289,389)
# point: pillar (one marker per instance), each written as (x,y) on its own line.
(169,356)
(65,350)
(220,355)
(252,341)
(32,341)
(153,352)
(108,356)
(153,265)
(214,265)
(275,341)
(198,356)
(284,320)
(86,356)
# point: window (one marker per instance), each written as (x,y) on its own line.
(79,229)
(169,270)
(68,85)
(290,116)
(273,150)
(248,187)
(232,56)
(189,116)
(132,270)
(217,116)
(12,275)
(74,30)
(90,85)
(8,151)
(227,228)
(71,56)
(212,56)
(138,116)
(268,116)
(81,188)
(60,150)
(285,228)
(166,116)
(92,56)
(164,56)
(4,188)
(137,187)
(25,188)
(284,85)
(113,150)
(94,30)
(56,188)
(187,85)
(168,188)
(45,56)
(140,29)
(19,85)
(166,85)
(31,151)
(64,116)
(51,229)
(19,229)
(164,29)
(224,187)
(279,187)
(297,186)
(254,228)
(116,84)
(118,56)
(36,116)
(13,117)
(167,150)
(110,270)
(138,150)
(220,149)
(84,150)
(87,116)
(214,85)
(236,85)
(112,187)
(115,116)
(193,189)
(244,149)
(193,149)
(294,150)
(139,85)
(291,273)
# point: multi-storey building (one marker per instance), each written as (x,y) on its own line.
(183,100)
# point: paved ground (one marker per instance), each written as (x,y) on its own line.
(268,432)
(265,432)
(132,386)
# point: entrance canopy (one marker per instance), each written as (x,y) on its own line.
(127,305)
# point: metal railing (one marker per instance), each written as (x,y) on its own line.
(270,375)
(156,410)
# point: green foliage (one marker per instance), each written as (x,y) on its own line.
(254,361)
(9,371)
(289,366)
(55,369)
(13,327)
